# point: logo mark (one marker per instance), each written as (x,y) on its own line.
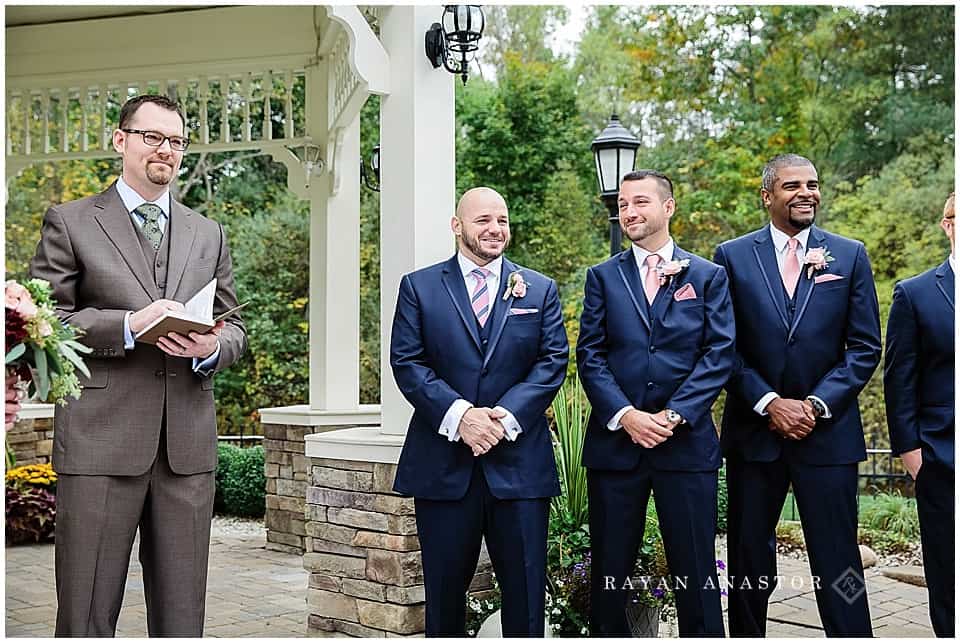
(849,585)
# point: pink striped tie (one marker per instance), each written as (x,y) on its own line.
(652,283)
(480,299)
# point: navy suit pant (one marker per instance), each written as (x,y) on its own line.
(935,489)
(826,497)
(686,503)
(450,533)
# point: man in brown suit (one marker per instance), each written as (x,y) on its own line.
(138,450)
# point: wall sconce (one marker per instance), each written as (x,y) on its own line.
(310,156)
(375,166)
(458,35)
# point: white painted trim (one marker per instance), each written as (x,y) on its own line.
(359,444)
(368,57)
(35,411)
(302,415)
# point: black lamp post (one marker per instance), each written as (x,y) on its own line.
(375,166)
(457,36)
(615,151)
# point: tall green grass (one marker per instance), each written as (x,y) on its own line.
(570,412)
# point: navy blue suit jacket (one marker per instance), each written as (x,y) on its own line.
(436,355)
(676,355)
(829,348)
(919,367)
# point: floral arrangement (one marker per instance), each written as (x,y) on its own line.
(817,259)
(42,350)
(31,504)
(516,286)
(41,475)
(666,270)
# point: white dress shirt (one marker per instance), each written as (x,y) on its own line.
(780,245)
(131,201)
(450,426)
(640,256)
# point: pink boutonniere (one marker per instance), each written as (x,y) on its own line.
(816,259)
(516,286)
(668,269)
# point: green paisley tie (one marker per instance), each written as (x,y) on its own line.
(151,226)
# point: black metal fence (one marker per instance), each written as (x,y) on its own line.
(881,472)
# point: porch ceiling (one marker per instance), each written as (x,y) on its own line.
(19,15)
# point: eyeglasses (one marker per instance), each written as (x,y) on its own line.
(156,139)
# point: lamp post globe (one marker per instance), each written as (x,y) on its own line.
(614,153)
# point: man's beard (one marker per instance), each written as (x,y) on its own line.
(645,230)
(802,225)
(473,245)
(160,177)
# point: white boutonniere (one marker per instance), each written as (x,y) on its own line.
(516,286)
(668,269)
(816,259)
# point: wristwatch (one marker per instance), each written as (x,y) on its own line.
(673,417)
(818,408)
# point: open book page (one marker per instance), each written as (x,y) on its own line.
(200,306)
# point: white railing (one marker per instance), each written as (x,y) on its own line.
(224,112)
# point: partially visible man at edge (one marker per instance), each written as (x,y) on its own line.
(918,384)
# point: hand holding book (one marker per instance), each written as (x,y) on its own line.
(172,320)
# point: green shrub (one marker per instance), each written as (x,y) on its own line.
(892,514)
(885,543)
(241,483)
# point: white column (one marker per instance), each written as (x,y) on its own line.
(418,170)
(334,306)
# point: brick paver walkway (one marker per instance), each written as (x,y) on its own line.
(252,592)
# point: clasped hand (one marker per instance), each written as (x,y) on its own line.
(647,429)
(480,428)
(792,419)
(199,345)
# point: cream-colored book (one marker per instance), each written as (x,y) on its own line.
(197,316)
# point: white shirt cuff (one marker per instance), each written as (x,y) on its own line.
(450,426)
(761,406)
(208,364)
(510,424)
(828,414)
(614,422)
(128,341)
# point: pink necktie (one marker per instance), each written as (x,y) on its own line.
(791,267)
(652,282)
(480,299)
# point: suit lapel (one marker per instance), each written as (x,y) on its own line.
(945,281)
(115,221)
(183,231)
(767,260)
(630,275)
(807,285)
(455,287)
(665,296)
(500,308)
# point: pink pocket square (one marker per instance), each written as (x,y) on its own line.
(819,279)
(687,292)
(524,311)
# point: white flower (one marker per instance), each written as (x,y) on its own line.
(555,627)
(561,601)
(555,611)
(470,632)
(584,631)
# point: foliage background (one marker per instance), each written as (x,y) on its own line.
(712,92)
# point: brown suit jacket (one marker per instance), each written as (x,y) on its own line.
(90,253)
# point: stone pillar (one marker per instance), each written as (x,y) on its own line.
(363,555)
(287,468)
(31,438)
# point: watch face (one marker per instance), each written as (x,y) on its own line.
(673,416)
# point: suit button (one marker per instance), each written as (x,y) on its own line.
(484,341)
(793,340)
(484,372)
(653,349)
(173,374)
(650,384)
(158,373)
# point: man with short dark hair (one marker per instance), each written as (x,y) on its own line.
(918,383)
(137,451)
(656,347)
(809,331)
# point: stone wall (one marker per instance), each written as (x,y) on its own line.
(363,554)
(287,471)
(31,440)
